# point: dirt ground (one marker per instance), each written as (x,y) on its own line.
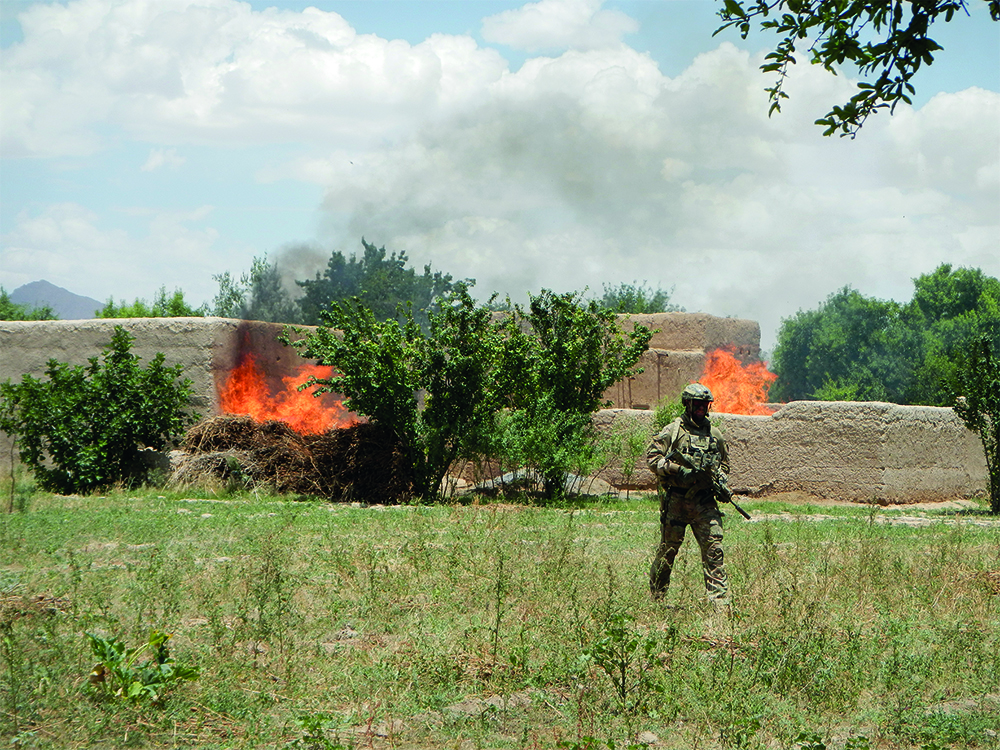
(803,498)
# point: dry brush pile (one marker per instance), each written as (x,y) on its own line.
(363,461)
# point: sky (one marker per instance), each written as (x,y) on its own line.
(560,144)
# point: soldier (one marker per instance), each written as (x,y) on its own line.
(682,457)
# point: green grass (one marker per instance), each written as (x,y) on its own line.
(337,626)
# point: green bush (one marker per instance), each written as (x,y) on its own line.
(637,298)
(83,428)
(433,390)
(13,311)
(561,355)
(163,306)
(520,388)
(976,400)
(666,412)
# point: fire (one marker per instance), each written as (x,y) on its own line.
(246,392)
(737,389)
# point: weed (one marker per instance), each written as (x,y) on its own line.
(500,591)
(13,680)
(627,658)
(119,674)
(627,442)
(590,743)
(810,741)
(314,729)
(264,609)
(740,731)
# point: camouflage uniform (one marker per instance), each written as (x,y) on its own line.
(688,501)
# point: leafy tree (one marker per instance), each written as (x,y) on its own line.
(976,400)
(83,427)
(886,40)
(858,348)
(257,295)
(523,385)
(433,390)
(842,344)
(381,283)
(637,298)
(13,311)
(560,357)
(163,306)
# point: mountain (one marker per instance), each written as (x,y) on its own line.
(64,303)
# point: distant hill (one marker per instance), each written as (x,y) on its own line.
(64,303)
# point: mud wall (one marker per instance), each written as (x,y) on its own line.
(854,451)
(849,451)
(698,331)
(676,354)
(207,348)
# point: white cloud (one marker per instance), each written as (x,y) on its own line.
(162,157)
(931,146)
(215,71)
(559,24)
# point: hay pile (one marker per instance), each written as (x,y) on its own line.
(363,462)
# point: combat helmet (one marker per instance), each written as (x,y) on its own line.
(695,392)
(690,394)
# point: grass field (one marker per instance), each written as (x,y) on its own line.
(495,626)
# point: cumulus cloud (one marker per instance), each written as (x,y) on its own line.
(594,168)
(216,71)
(558,24)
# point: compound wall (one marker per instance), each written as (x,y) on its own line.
(854,451)
(676,354)
(842,450)
(207,348)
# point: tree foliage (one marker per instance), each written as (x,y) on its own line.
(887,41)
(383,283)
(83,427)
(858,348)
(433,390)
(258,294)
(12,311)
(476,384)
(162,306)
(561,355)
(637,298)
(976,400)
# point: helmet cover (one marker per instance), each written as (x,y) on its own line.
(696,392)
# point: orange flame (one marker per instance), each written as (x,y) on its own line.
(246,392)
(737,389)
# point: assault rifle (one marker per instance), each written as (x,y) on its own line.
(707,463)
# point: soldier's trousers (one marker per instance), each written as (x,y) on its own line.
(705,519)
